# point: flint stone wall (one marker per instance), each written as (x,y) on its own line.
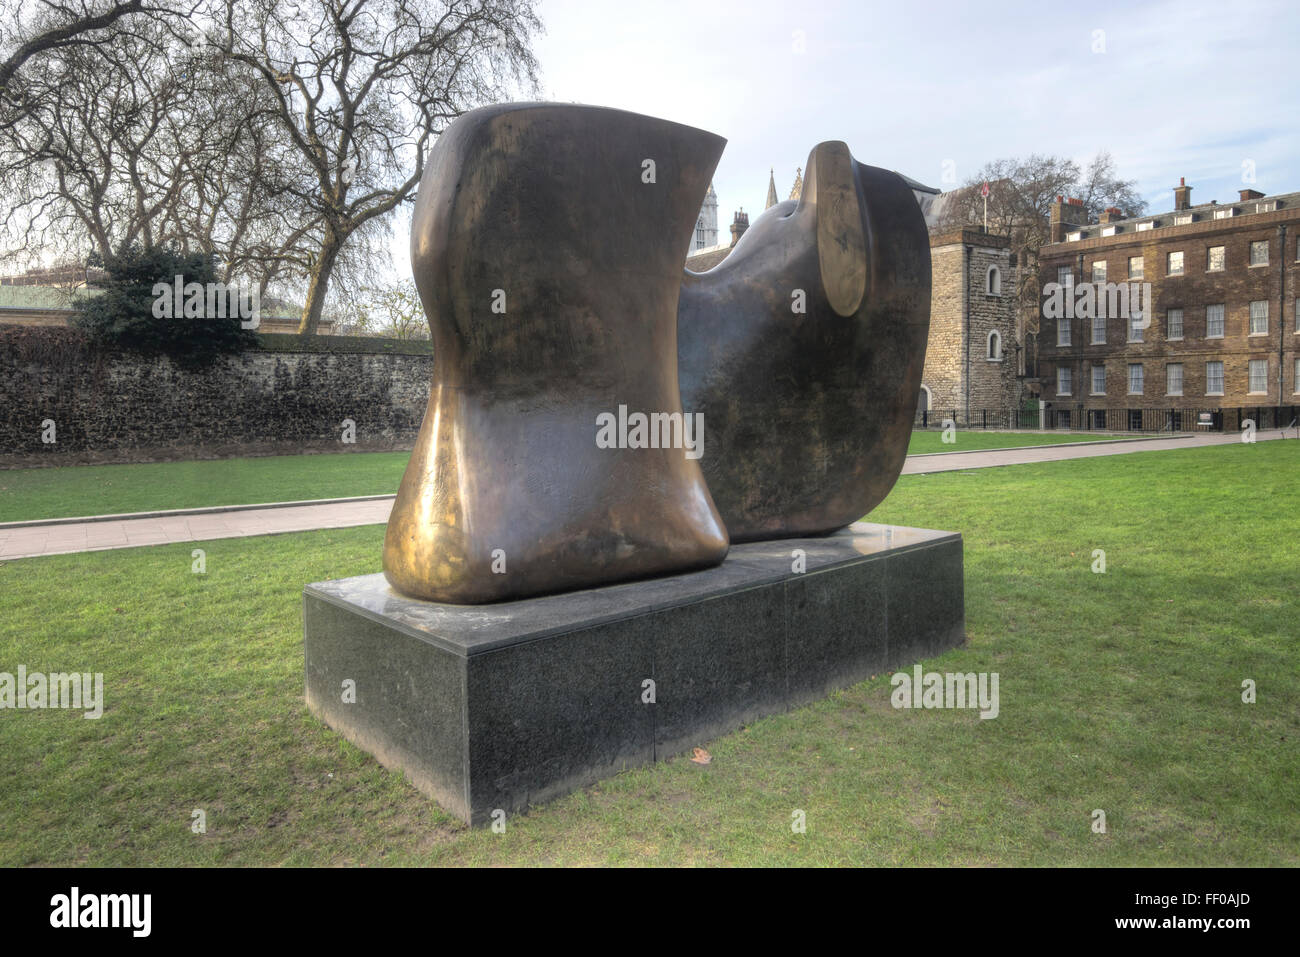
(122,407)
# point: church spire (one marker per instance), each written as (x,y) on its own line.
(797,189)
(771,189)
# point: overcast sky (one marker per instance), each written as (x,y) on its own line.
(1182,89)
(1185,88)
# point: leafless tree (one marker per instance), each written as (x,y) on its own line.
(362,88)
(1021,193)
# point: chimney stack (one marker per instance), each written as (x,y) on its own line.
(738,226)
(1182,194)
(1112,214)
(1064,213)
(1250,194)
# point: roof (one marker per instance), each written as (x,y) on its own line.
(1203,212)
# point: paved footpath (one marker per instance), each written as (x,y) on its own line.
(60,536)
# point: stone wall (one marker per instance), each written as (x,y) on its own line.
(961,306)
(116,407)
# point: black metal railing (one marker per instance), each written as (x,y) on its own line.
(1077,419)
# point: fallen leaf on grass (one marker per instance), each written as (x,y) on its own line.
(700,756)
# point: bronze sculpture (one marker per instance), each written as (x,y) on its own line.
(547,245)
(804,349)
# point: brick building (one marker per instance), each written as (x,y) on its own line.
(1220,331)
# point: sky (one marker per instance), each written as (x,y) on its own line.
(1206,91)
(1170,89)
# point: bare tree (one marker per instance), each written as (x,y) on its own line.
(362,87)
(1021,193)
(58,26)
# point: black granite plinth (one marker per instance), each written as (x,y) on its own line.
(499,706)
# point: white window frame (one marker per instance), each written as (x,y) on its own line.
(1065,277)
(1136,333)
(1214,362)
(1143,227)
(1098,322)
(1141,261)
(1254,247)
(1063,331)
(1223,320)
(1142,375)
(1169,367)
(1064,374)
(1169,334)
(1209,258)
(1102,276)
(1263,315)
(1092,382)
(1108,230)
(1169,263)
(1250,377)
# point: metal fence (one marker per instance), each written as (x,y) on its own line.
(1117,420)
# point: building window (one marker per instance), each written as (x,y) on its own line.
(1143,227)
(1297,315)
(1136,328)
(1063,380)
(1174,264)
(1214,259)
(1065,276)
(1295,380)
(1214,321)
(1269,207)
(993,281)
(1225,213)
(925,398)
(1259,376)
(1098,380)
(1183,220)
(1063,331)
(995,346)
(1174,378)
(1259,253)
(1259,317)
(1174,324)
(1099,271)
(1108,230)
(1098,330)
(1073,237)
(1134,267)
(1135,380)
(1214,378)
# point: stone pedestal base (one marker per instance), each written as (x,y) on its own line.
(501,706)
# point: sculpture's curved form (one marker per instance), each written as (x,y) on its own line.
(547,252)
(809,413)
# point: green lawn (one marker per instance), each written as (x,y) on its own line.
(69,491)
(923,443)
(1119,691)
(65,492)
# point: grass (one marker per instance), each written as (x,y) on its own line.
(69,491)
(1119,691)
(926,442)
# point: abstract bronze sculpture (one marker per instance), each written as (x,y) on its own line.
(547,244)
(803,349)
